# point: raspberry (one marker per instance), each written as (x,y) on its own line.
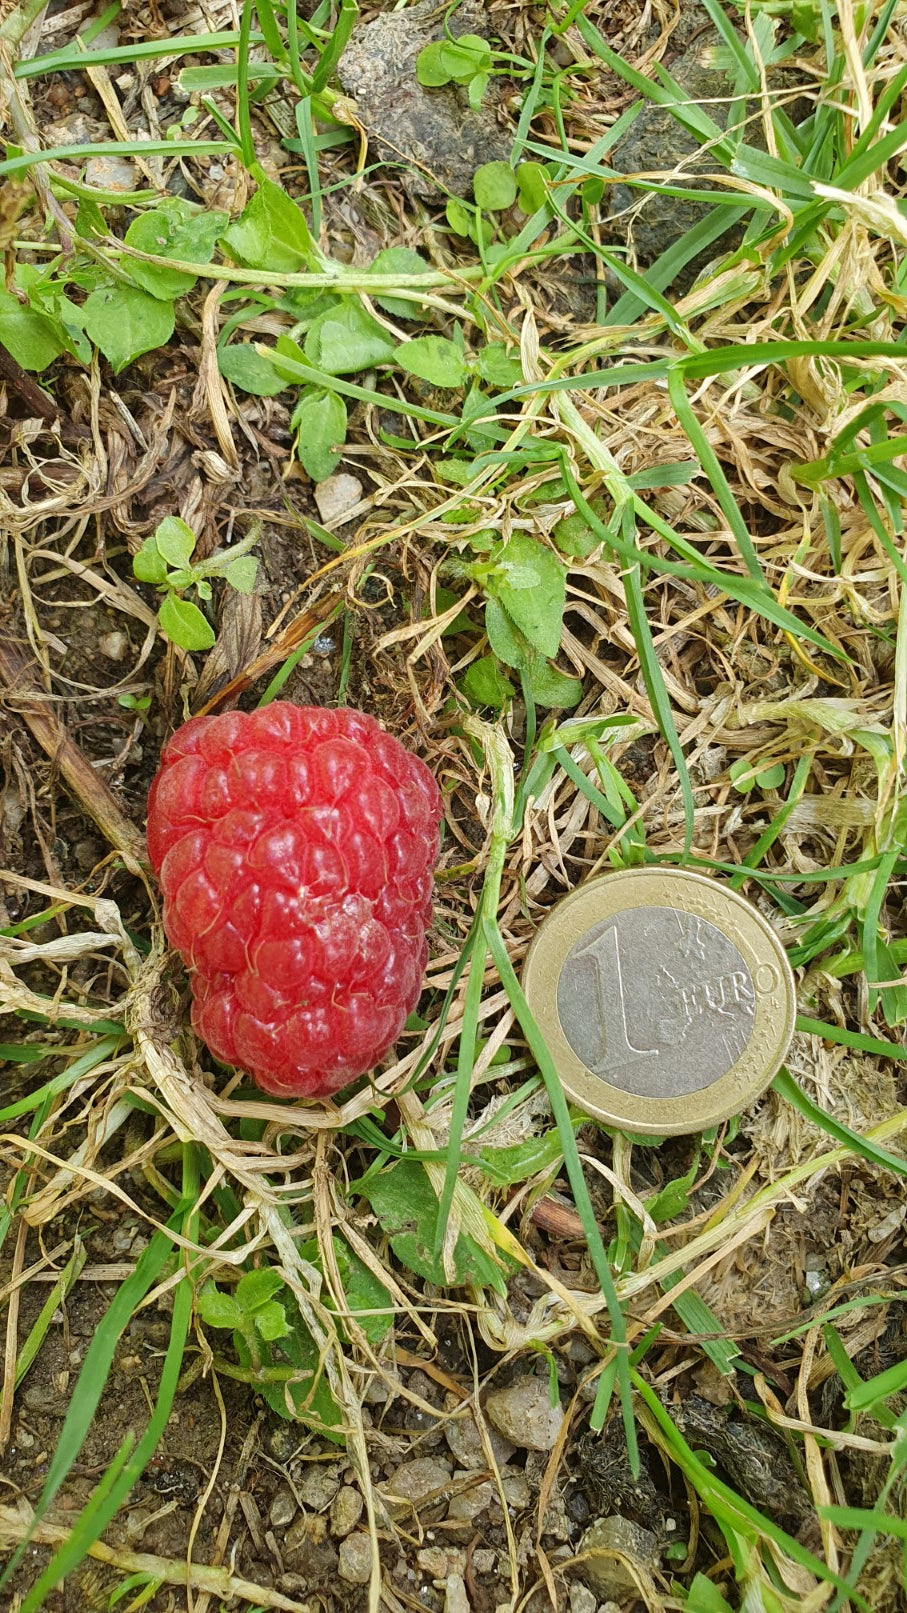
(295,849)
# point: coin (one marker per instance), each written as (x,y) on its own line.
(665,999)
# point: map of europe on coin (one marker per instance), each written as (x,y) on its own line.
(655,1000)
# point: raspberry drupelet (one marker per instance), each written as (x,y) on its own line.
(295,848)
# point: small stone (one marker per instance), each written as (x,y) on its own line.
(483,1560)
(114,645)
(305,1534)
(606,1574)
(336,496)
(524,1414)
(346,1510)
(582,1600)
(421,1481)
(463,1437)
(42,1397)
(433,1561)
(516,1490)
(356,1559)
(283,1508)
(472,1499)
(318,1486)
(455,1598)
(110,173)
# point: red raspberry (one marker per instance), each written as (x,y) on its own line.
(295,848)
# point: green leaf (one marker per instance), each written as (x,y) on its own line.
(497,366)
(476,89)
(367,1299)
(464,56)
(508,644)
(218,1309)
(347,338)
(484,684)
(319,421)
(494,186)
(29,336)
(892,998)
(271,233)
(434,359)
(125,322)
(529,581)
(173,229)
(533,190)
(704,1597)
(551,687)
(398,260)
(505,1166)
(248,369)
(257,1288)
(574,537)
(745,776)
(458,217)
(430,71)
(242,572)
(406,1206)
(149,564)
(271,1321)
(175,541)
(183,623)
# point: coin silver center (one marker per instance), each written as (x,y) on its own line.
(656,1001)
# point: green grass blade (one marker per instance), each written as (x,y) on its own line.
(789,1089)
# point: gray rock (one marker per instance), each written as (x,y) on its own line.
(110,173)
(318,1485)
(433,129)
(483,1560)
(418,1482)
(465,1441)
(455,1598)
(439,1561)
(604,1572)
(283,1508)
(523,1413)
(472,1499)
(346,1510)
(582,1600)
(355,1559)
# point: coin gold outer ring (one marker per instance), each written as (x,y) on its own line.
(700,897)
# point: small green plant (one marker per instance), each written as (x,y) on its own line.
(275,1349)
(165,561)
(745,776)
(464,60)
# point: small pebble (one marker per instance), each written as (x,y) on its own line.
(606,1574)
(110,173)
(420,1481)
(582,1600)
(283,1508)
(318,1486)
(346,1510)
(465,1441)
(483,1560)
(114,645)
(469,1502)
(336,496)
(455,1598)
(432,1560)
(523,1413)
(355,1559)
